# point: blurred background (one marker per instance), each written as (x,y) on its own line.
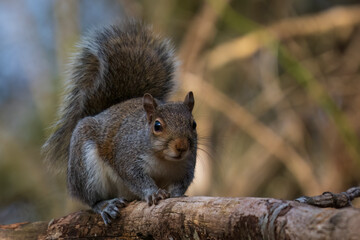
(276,85)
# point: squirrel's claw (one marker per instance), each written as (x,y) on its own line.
(154,198)
(105,218)
(109,209)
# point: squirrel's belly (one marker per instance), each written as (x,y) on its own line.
(117,187)
(102,178)
(123,192)
(163,172)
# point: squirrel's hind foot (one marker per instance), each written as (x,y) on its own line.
(109,209)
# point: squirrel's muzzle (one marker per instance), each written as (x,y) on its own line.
(177,149)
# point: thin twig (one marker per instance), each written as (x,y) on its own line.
(334,200)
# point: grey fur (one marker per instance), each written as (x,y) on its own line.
(113,64)
(118,145)
(124,127)
(113,155)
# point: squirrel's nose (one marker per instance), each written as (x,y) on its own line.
(181,145)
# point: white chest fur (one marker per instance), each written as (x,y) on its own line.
(164,172)
(102,178)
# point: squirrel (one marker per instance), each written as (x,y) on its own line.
(118,134)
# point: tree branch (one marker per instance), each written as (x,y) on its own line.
(201,218)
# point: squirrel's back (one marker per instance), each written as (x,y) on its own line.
(113,64)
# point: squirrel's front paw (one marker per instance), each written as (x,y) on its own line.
(155,197)
(109,209)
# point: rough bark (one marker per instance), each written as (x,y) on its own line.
(201,218)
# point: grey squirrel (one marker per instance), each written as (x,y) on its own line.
(118,135)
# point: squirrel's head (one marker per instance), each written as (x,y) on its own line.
(172,127)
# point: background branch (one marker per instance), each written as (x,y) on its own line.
(246,46)
(301,169)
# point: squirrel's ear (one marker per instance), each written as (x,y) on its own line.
(189,101)
(149,106)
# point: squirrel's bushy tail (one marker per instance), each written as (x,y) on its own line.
(114,64)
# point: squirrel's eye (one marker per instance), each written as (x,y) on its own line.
(194,125)
(157,126)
